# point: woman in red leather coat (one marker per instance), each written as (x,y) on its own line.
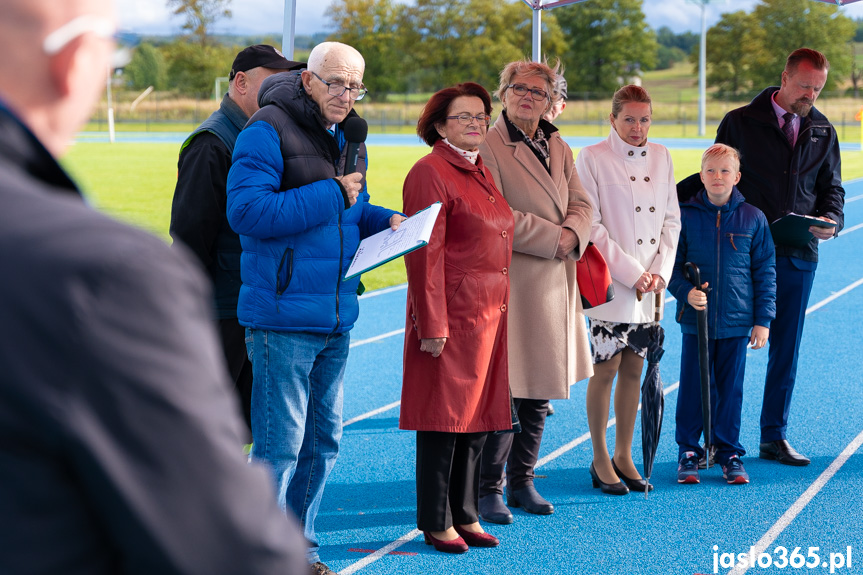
(455,388)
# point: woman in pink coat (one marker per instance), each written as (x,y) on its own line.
(636,222)
(455,388)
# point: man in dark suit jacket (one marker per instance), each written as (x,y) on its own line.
(790,163)
(118,429)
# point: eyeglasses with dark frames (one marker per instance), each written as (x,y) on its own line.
(535,93)
(336,89)
(465,119)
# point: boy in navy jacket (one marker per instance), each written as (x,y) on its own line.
(730,242)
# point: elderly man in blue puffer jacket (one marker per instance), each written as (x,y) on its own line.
(300,220)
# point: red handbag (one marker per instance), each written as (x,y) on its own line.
(594,279)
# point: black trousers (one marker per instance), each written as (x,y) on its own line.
(234,346)
(447,479)
(514,452)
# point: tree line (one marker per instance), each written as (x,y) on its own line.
(428,44)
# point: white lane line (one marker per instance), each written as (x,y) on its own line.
(354,567)
(413,534)
(372,413)
(582,438)
(377,337)
(852,228)
(836,295)
(801,502)
(383,291)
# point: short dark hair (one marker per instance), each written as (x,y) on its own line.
(814,57)
(436,109)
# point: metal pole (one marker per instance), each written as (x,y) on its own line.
(702,71)
(537,34)
(288,29)
(110,108)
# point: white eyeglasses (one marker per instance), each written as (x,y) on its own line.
(75,28)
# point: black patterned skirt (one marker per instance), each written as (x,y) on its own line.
(608,338)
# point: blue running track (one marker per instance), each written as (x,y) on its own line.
(806,519)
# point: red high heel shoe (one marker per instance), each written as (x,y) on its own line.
(455,546)
(477,539)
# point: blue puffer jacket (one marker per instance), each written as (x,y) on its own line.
(733,249)
(298,239)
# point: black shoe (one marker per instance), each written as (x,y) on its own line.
(531,501)
(706,462)
(550,409)
(781,451)
(610,488)
(639,485)
(492,509)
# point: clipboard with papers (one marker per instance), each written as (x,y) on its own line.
(385,246)
(793,229)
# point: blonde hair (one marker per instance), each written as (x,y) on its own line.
(528,68)
(719,151)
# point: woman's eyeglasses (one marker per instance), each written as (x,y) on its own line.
(535,93)
(465,119)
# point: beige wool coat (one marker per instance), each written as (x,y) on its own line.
(548,343)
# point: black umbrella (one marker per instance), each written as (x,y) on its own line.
(652,398)
(693,274)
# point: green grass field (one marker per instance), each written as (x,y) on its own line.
(135,183)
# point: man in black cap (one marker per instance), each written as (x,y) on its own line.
(198,210)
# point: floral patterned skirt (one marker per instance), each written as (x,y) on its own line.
(608,338)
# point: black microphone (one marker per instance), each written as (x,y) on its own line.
(356,130)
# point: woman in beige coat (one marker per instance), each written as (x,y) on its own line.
(548,347)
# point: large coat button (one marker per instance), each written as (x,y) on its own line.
(646,178)
(637,208)
(632,178)
(652,209)
(631,153)
(643,154)
(639,242)
(652,241)
(503,308)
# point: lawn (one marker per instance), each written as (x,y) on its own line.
(135,183)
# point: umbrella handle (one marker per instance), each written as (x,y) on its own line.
(657,306)
(692,273)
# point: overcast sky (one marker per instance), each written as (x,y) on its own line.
(267,16)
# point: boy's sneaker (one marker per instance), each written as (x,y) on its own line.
(733,471)
(687,469)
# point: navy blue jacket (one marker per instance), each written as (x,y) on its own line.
(198,217)
(733,249)
(298,239)
(779,180)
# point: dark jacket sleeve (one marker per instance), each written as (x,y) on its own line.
(153,432)
(829,193)
(763,269)
(199,198)
(678,285)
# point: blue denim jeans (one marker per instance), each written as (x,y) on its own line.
(297,415)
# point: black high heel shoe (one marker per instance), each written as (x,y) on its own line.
(639,485)
(610,488)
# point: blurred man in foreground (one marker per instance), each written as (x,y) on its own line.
(118,429)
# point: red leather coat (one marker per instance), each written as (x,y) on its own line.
(458,288)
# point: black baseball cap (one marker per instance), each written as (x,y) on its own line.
(262,56)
